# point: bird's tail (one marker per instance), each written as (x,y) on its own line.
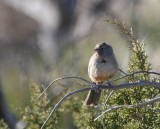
(92,98)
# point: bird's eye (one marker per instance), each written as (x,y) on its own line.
(102,48)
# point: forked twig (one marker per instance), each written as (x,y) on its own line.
(62,78)
(113,87)
(62,99)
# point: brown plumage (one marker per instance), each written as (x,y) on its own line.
(102,66)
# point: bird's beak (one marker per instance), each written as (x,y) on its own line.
(96,50)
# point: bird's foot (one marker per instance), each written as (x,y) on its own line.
(108,84)
(97,87)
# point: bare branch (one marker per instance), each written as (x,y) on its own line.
(79,78)
(134,74)
(129,106)
(113,87)
(62,78)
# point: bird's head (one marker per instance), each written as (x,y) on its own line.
(103,49)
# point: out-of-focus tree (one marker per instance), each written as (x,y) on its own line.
(34,34)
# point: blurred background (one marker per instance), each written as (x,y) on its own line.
(42,40)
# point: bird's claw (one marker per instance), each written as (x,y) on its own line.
(108,84)
(96,86)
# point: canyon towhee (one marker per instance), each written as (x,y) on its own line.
(102,66)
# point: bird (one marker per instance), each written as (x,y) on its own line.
(102,67)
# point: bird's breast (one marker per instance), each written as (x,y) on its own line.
(101,71)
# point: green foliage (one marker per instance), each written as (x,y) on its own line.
(3,125)
(35,114)
(85,119)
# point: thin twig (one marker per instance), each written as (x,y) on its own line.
(123,72)
(110,94)
(62,78)
(129,106)
(127,74)
(111,108)
(134,74)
